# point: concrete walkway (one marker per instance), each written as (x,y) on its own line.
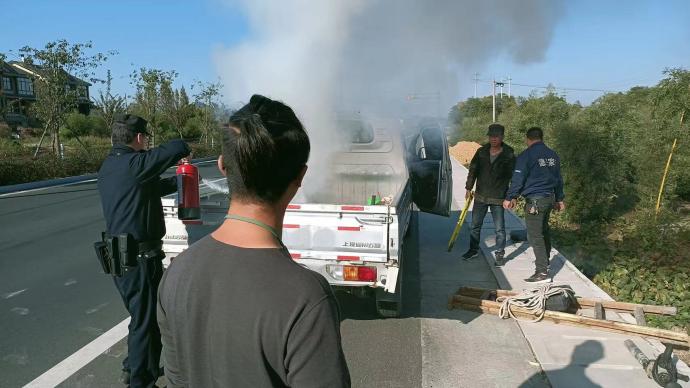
(570,356)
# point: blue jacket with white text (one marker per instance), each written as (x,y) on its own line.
(537,174)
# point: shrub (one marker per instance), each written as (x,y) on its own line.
(595,172)
(633,279)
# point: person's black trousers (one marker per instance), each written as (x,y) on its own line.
(139,290)
(538,232)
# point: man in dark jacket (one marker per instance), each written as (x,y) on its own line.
(537,177)
(491,168)
(130,186)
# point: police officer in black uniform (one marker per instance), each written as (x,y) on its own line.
(130,186)
(537,177)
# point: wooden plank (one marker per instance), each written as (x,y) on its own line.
(487,310)
(571,319)
(598,311)
(622,307)
(639,316)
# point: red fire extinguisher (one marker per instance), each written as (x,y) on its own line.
(188,191)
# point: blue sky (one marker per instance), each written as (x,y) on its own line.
(168,34)
(610,45)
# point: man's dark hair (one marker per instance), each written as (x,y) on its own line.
(267,154)
(122,134)
(535,133)
(126,127)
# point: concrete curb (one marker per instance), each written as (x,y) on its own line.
(66,181)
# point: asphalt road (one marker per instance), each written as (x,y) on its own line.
(53,298)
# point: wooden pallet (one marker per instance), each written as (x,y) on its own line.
(478,300)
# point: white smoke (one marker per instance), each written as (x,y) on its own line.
(379,57)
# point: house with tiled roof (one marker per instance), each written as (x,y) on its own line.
(17,91)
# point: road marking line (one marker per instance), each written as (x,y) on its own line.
(69,366)
(13,294)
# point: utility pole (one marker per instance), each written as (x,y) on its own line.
(509,79)
(476,78)
(493,94)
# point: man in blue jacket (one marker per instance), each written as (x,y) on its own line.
(537,177)
(130,186)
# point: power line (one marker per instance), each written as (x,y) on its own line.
(554,87)
(565,88)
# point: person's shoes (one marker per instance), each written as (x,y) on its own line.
(539,277)
(471,254)
(500,259)
(124,377)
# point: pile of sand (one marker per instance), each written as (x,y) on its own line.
(464,151)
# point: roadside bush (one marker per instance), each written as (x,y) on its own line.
(23,170)
(79,125)
(202,150)
(17,165)
(647,264)
(12,149)
(633,279)
(5,131)
(595,172)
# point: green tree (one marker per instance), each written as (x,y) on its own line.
(110,104)
(175,106)
(3,99)
(471,118)
(52,66)
(545,111)
(671,108)
(207,99)
(147,100)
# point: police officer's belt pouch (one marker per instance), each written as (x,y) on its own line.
(103,256)
(120,253)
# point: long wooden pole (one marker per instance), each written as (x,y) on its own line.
(38,147)
(663,178)
(584,302)
(487,306)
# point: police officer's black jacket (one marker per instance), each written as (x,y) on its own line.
(492,178)
(131,188)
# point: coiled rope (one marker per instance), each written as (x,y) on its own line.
(532,300)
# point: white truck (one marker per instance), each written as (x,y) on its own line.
(351,230)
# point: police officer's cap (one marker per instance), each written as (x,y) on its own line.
(495,130)
(134,123)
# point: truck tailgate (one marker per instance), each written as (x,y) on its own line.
(360,234)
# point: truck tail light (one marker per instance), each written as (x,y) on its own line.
(364,274)
(355,273)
